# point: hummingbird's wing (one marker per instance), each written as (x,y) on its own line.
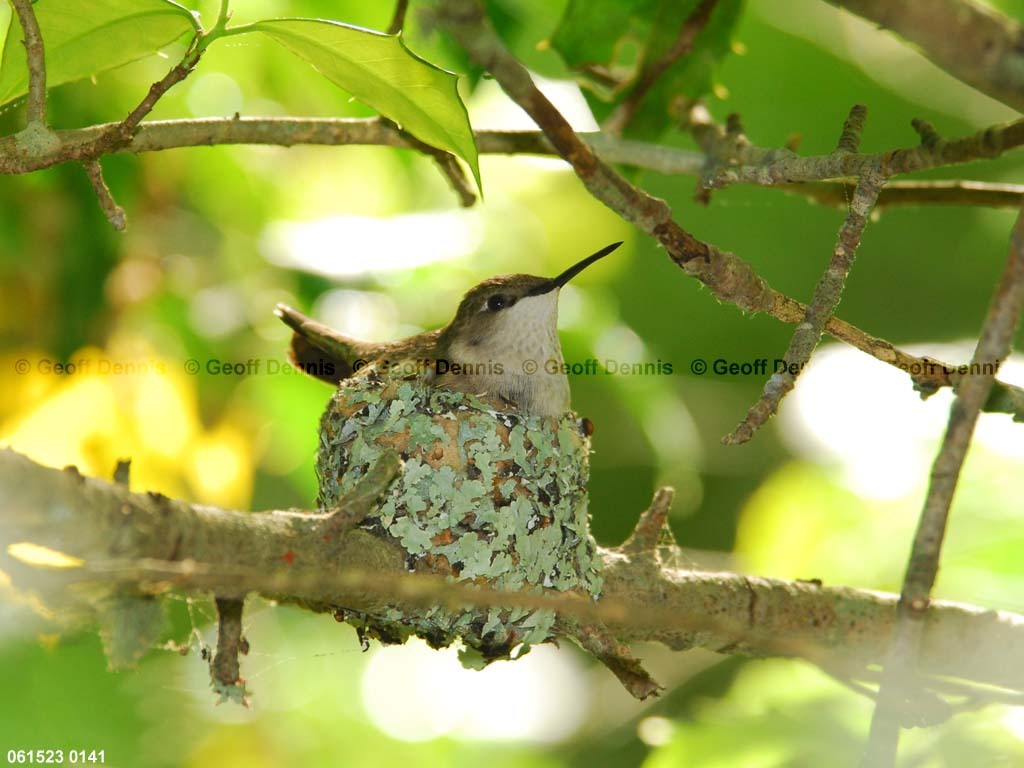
(322,352)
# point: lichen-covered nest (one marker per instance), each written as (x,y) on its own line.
(486,495)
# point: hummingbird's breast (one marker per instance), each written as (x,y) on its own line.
(518,357)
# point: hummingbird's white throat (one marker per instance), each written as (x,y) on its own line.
(528,330)
(521,355)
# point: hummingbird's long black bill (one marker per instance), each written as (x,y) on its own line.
(557,282)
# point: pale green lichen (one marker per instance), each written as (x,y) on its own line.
(486,495)
(129,626)
(37,139)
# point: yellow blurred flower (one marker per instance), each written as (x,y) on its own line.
(96,408)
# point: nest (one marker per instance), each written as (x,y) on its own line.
(486,495)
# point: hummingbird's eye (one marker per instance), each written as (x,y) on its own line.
(496,302)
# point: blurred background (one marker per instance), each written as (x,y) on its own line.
(371,241)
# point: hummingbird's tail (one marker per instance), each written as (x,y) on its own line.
(318,350)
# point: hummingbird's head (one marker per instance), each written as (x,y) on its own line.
(510,313)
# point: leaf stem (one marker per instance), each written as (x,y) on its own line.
(222,16)
(241,29)
(398,20)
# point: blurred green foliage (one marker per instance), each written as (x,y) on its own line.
(612,44)
(199,271)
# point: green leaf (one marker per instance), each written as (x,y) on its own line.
(381,72)
(609,42)
(85,37)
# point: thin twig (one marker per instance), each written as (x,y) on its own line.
(36,59)
(993,347)
(691,28)
(849,139)
(360,501)
(457,179)
(225,671)
(826,295)
(898,194)
(113,211)
(772,166)
(929,136)
(122,471)
(445,162)
(398,20)
(823,305)
(652,523)
(120,133)
(223,14)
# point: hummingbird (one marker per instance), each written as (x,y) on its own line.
(503,342)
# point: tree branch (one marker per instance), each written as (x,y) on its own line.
(826,295)
(445,162)
(118,134)
(78,144)
(993,347)
(113,211)
(152,543)
(916,193)
(36,60)
(225,670)
(973,42)
(768,167)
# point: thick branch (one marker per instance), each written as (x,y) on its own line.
(972,41)
(148,540)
